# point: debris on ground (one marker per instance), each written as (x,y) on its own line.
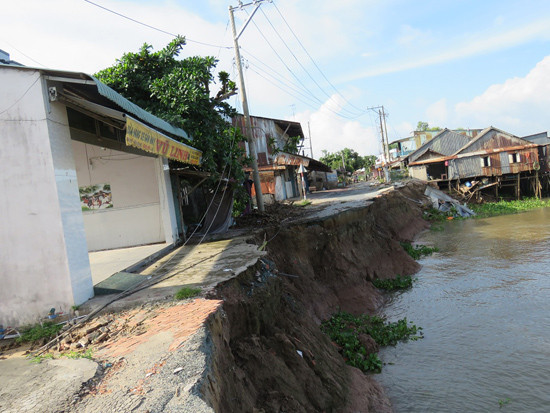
(446,204)
(274,214)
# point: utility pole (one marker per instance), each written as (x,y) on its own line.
(244,101)
(386,133)
(384,139)
(310,145)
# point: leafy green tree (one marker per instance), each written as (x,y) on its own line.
(425,127)
(348,157)
(178,91)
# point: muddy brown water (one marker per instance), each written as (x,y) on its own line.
(483,302)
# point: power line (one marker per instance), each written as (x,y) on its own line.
(27,56)
(293,74)
(286,91)
(313,61)
(281,79)
(153,27)
(285,83)
(301,65)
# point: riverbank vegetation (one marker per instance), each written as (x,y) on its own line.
(502,207)
(418,251)
(393,284)
(359,337)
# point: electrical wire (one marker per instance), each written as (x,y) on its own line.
(286,91)
(282,80)
(302,66)
(313,61)
(295,76)
(27,56)
(22,96)
(155,28)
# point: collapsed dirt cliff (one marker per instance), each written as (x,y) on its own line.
(268,352)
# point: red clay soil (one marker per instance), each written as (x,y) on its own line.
(269,353)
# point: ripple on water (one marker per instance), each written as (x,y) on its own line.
(484,306)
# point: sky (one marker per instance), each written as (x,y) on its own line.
(326,64)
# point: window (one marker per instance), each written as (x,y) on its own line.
(514,157)
(485,161)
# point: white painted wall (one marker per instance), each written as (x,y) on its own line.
(137,215)
(69,203)
(36,256)
(167,207)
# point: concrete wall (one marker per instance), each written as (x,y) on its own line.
(136,216)
(37,253)
(419,172)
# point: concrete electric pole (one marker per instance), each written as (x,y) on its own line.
(247,125)
(384,135)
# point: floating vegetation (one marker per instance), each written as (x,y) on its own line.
(418,251)
(491,209)
(503,402)
(393,284)
(349,332)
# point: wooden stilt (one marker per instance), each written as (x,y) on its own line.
(518,187)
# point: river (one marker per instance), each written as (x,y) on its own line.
(483,302)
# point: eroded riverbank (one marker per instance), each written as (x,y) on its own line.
(269,352)
(254,343)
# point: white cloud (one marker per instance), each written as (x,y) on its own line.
(519,105)
(437,113)
(409,35)
(469,46)
(332,133)
(75,35)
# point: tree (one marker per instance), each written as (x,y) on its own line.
(348,157)
(425,127)
(178,91)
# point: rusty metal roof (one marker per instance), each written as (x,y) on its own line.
(444,143)
(284,158)
(485,144)
(485,141)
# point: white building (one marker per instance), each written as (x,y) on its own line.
(77,175)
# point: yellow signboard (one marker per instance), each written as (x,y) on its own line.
(147,139)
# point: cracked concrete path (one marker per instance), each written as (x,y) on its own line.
(41,387)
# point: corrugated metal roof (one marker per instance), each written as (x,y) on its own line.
(135,110)
(487,133)
(538,138)
(284,158)
(445,143)
(108,93)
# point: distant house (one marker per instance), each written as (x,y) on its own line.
(445,143)
(406,146)
(278,168)
(493,153)
(495,158)
(83,169)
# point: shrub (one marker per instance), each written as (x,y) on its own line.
(418,251)
(397,283)
(38,332)
(344,329)
(187,292)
